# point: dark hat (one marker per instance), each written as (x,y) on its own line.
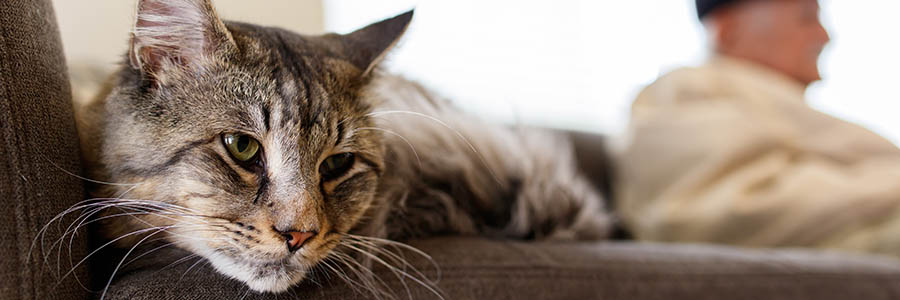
(704,7)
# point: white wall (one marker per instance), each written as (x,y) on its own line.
(861,67)
(95,32)
(578,63)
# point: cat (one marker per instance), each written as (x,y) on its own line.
(265,151)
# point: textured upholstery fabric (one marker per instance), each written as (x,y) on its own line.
(473,268)
(37,141)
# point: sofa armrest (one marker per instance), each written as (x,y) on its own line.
(38,145)
(476,268)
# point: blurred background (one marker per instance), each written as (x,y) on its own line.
(573,64)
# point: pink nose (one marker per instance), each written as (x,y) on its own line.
(295,239)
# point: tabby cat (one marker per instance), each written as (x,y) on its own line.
(265,151)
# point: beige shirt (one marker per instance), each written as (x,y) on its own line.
(729,152)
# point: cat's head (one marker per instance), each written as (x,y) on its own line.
(259,138)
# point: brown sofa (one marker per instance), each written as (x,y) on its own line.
(39,149)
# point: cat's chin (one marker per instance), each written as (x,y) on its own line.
(275,284)
(272,277)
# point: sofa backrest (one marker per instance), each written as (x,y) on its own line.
(38,150)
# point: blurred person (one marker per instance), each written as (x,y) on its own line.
(730,152)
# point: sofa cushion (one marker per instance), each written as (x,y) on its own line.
(475,268)
(37,142)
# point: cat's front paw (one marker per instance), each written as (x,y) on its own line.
(560,211)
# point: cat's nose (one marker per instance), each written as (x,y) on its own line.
(296,239)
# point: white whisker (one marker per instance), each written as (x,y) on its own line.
(365,275)
(119,265)
(104,246)
(411,147)
(445,125)
(150,251)
(191,267)
(85,178)
(400,245)
(397,271)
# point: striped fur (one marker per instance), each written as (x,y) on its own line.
(423,168)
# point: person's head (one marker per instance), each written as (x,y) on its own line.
(785,35)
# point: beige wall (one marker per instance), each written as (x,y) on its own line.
(95,32)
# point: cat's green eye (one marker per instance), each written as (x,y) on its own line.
(242,147)
(336,165)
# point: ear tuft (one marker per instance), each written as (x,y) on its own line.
(369,45)
(175,33)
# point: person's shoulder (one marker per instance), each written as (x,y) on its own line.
(702,77)
(684,74)
(678,85)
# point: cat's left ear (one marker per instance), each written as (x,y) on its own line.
(176,34)
(369,45)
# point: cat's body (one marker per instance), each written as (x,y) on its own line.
(450,173)
(231,141)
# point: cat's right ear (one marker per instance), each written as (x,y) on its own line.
(176,35)
(369,45)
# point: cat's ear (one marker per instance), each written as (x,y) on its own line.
(176,34)
(369,45)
